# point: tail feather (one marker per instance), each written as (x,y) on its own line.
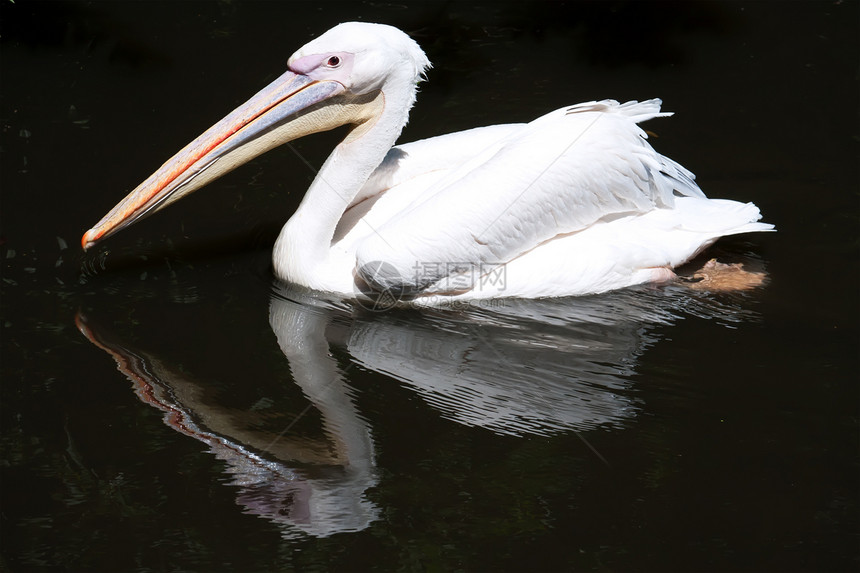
(635,110)
(720,217)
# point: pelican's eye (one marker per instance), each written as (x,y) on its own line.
(333,62)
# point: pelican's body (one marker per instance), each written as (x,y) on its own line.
(572,203)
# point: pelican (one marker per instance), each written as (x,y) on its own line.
(575,202)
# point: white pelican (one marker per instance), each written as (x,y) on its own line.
(574,202)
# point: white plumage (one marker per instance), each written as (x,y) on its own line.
(574,202)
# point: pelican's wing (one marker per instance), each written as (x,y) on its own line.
(443,153)
(557,175)
(409,173)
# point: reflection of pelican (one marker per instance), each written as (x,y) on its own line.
(535,367)
(539,367)
(314,487)
(575,202)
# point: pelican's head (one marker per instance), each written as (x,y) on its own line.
(347,76)
(361,57)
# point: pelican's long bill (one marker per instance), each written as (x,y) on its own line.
(288,108)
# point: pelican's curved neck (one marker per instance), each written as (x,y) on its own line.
(302,253)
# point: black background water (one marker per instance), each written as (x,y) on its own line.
(652,429)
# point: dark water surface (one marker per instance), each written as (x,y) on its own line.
(166,405)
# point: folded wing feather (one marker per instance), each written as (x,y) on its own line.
(554,176)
